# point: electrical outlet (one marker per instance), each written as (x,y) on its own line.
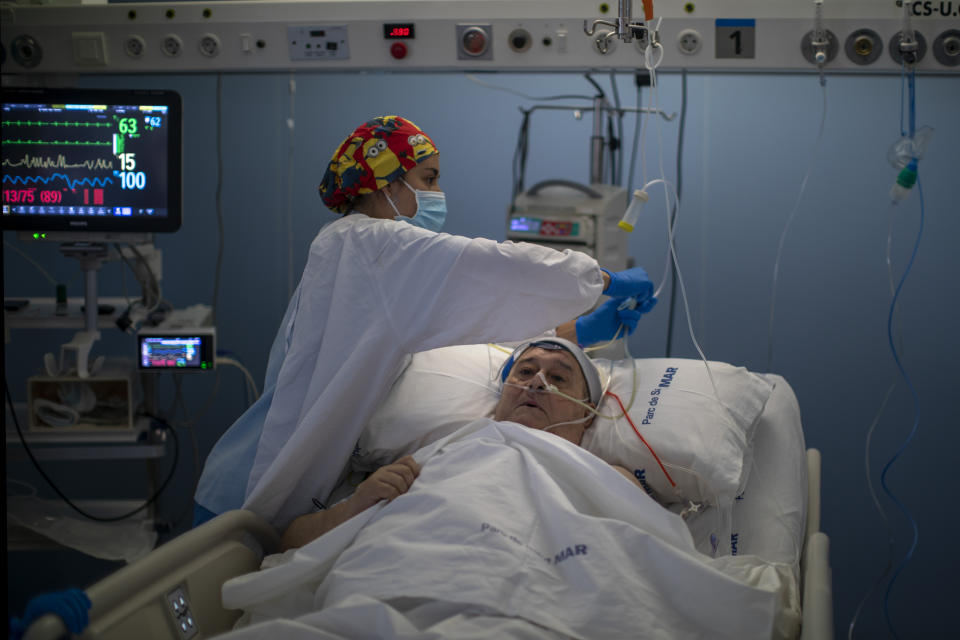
(209,45)
(134,46)
(172,45)
(689,41)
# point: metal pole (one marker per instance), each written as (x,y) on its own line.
(597,143)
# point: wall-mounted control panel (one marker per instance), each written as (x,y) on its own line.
(860,36)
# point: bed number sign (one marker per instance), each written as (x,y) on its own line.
(736,38)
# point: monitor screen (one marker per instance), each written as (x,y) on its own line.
(91,160)
(186,351)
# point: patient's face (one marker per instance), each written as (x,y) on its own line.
(537,410)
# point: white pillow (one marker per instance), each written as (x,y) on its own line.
(440,391)
(704,447)
(443,389)
(769,517)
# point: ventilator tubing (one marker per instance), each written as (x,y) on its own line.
(630,216)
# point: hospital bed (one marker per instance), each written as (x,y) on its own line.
(175,592)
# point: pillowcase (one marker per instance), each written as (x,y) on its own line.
(769,517)
(440,391)
(704,449)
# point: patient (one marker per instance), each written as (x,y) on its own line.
(523,399)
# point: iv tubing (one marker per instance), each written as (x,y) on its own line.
(786,228)
(672,253)
(914,428)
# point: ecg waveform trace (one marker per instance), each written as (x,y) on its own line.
(46,162)
(42,123)
(63,143)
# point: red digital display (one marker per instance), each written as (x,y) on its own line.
(32,195)
(556,228)
(398,30)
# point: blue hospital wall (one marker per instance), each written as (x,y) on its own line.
(749,142)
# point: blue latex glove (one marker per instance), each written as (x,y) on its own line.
(602,324)
(630,283)
(71,605)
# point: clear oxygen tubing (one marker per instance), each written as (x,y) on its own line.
(913,430)
(786,227)
(911,116)
(652,61)
(868,471)
(681,129)
(552,389)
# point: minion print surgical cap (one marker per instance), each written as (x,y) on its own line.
(374,155)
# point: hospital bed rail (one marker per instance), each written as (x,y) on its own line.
(134,602)
(815,574)
(138,600)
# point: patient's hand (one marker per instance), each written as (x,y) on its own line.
(386,483)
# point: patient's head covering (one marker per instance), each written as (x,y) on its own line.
(378,152)
(590,372)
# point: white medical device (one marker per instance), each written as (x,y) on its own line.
(180,350)
(567,215)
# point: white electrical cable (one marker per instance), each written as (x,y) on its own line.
(472,78)
(251,384)
(46,274)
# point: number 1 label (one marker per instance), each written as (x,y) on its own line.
(736,38)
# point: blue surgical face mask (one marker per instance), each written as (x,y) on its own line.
(431,209)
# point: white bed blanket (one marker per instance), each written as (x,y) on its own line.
(509,532)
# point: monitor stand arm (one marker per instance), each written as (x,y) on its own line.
(76,353)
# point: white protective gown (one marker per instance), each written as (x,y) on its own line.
(373,292)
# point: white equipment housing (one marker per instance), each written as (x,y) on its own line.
(566,215)
(70,36)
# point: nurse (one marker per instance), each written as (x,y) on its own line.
(379,285)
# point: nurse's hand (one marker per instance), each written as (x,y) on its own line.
(630,283)
(386,483)
(603,324)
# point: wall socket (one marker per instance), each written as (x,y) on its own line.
(689,41)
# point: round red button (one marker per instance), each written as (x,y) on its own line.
(398,50)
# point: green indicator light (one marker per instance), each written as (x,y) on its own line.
(203,365)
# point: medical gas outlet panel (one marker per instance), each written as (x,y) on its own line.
(70,36)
